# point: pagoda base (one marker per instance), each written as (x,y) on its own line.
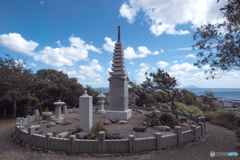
(119,115)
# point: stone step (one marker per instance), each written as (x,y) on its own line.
(119,69)
(118,53)
(119,61)
(118,65)
(118,57)
(118,73)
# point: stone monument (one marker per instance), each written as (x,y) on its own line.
(101,101)
(58,105)
(85,112)
(118,86)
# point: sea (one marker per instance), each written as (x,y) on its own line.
(227,93)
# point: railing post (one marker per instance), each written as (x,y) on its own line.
(158,140)
(202,127)
(191,113)
(48,136)
(31,131)
(203,121)
(131,144)
(193,127)
(72,138)
(101,141)
(178,131)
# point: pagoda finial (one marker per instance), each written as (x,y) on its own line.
(118,33)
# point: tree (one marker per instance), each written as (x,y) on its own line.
(16,79)
(164,82)
(221,42)
(207,100)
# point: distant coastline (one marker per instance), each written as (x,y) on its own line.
(227,93)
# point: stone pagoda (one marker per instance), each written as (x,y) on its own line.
(118,86)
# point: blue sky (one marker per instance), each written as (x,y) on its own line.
(78,37)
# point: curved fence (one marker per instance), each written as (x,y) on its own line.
(101,145)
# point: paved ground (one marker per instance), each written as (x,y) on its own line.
(217,139)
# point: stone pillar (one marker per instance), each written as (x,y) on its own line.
(58,105)
(184,113)
(72,138)
(193,127)
(197,115)
(178,131)
(160,108)
(28,117)
(74,109)
(158,140)
(101,102)
(21,122)
(169,108)
(20,129)
(48,136)
(17,124)
(190,113)
(65,109)
(31,131)
(101,142)
(85,112)
(144,105)
(203,121)
(36,113)
(202,127)
(131,144)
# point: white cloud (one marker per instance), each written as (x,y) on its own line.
(191,56)
(127,12)
(141,73)
(175,61)
(16,43)
(33,64)
(162,50)
(58,42)
(164,15)
(69,73)
(144,51)
(129,53)
(41,2)
(183,67)
(153,69)
(162,64)
(110,69)
(155,53)
(90,71)
(58,57)
(207,67)
(131,63)
(177,74)
(109,46)
(20,63)
(98,80)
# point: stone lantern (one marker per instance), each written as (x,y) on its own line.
(58,106)
(101,102)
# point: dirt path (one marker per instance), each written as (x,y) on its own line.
(217,139)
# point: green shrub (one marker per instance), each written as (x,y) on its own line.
(152,118)
(46,110)
(95,130)
(163,105)
(169,120)
(182,106)
(209,115)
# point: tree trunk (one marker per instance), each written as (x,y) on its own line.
(14,107)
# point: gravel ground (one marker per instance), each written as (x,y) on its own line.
(124,129)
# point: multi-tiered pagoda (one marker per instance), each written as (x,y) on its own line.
(118,86)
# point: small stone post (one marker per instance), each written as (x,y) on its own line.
(191,113)
(131,144)
(72,138)
(36,113)
(4,114)
(28,117)
(158,140)
(184,113)
(65,109)
(178,131)
(31,131)
(193,127)
(168,108)
(144,105)
(48,136)
(20,129)
(101,102)
(85,112)
(74,109)
(197,115)
(58,105)
(101,139)
(203,121)
(21,122)
(202,127)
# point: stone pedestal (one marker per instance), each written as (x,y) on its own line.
(58,106)
(101,102)
(85,112)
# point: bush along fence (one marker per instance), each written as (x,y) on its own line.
(102,146)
